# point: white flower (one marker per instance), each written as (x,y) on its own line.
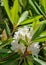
(21,33)
(18,47)
(34,48)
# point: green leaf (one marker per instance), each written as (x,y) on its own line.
(43,33)
(11,63)
(7,42)
(40,39)
(12,60)
(23,17)
(24,63)
(7,28)
(14,12)
(43,3)
(36,25)
(23,3)
(38,32)
(39,61)
(29,61)
(4,50)
(1,62)
(6,6)
(39,8)
(30,20)
(33,6)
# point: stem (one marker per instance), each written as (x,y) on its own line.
(20,61)
(14,28)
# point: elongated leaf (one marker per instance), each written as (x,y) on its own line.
(23,3)
(24,63)
(39,8)
(33,6)
(6,6)
(29,61)
(4,50)
(23,17)
(43,3)
(7,42)
(20,1)
(40,39)
(36,25)
(38,32)
(43,33)
(30,20)
(7,28)
(14,11)
(10,62)
(39,61)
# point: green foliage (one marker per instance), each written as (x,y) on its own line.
(23,17)
(5,2)
(7,28)
(7,42)
(31,13)
(34,7)
(37,33)
(30,20)
(43,3)
(13,12)
(29,61)
(40,62)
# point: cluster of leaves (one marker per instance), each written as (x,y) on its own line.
(17,13)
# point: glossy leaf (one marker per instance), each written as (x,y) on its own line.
(23,3)
(7,28)
(36,25)
(4,50)
(43,33)
(14,12)
(6,6)
(39,8)
(38,32)
(30,20)
(40,39)
(29,61)
(7,42)
(43,3)
(12,60)
(23,17)
(33,6)
(24,63)
(39,61)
